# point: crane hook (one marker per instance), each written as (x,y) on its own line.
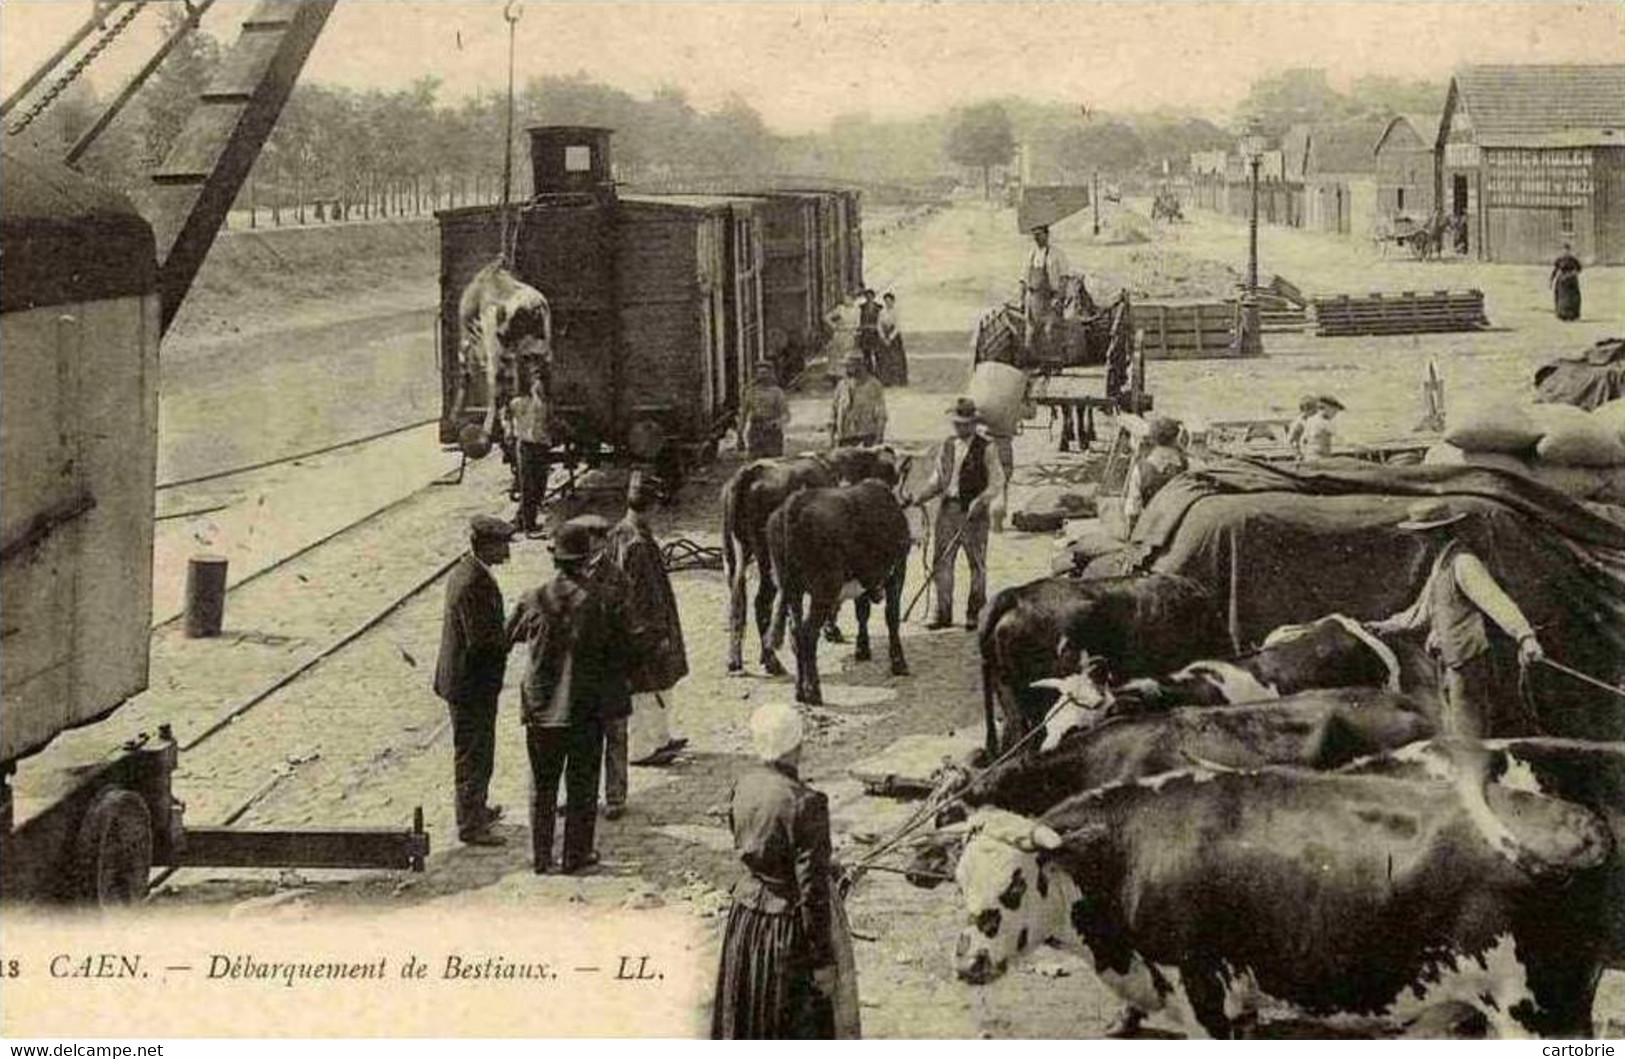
(512,10)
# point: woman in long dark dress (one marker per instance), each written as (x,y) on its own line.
(891,364)
(778,974)
(1566,285)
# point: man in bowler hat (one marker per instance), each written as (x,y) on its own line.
(468,673)
(575,682)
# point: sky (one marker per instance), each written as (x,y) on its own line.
(801,64)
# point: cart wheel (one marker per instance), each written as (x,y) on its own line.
(113,852)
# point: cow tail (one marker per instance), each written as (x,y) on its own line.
(730,521)
(986,645)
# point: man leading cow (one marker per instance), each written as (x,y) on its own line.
(969,476)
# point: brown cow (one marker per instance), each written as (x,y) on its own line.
(753,493)
(829,543)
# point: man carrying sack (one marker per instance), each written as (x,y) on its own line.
(969,477)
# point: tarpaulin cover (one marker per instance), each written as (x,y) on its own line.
(1587,379)
(1281,546)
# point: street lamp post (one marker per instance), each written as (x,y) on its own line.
(1252,147)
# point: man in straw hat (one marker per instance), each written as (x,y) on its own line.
(858,411)
(580,652)
(1460,592)
(468,673)
(777,977)
(969,477)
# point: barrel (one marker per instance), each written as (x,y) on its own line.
(205,595)
(1000,393)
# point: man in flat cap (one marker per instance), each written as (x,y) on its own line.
(468,673)
(969,477)
(858,411)
(1043,282)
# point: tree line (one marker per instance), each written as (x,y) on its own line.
(338,153)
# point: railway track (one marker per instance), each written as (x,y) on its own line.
(363,519)
(232,472)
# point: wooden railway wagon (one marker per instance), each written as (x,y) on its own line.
(791,312)
(839,261)
(80,325)
(657,303)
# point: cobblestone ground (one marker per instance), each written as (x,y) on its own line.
(361,739)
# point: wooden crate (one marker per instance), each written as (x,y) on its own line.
(1402,313)
(1188,330)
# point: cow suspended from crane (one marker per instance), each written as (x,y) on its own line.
(507,330)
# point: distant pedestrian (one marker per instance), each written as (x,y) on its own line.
(1308,406)
(468,674)
(891,362)
(1319,436)
(868,337)
(580,651)
(858,411)
(970,479)
(1162,462)
(660,659)
(1565,284)
(529,414)
(778,976)
(767,414)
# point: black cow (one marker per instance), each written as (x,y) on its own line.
(1357,902)
(753,493)
(1138,625)
(824,543)
(1585,773)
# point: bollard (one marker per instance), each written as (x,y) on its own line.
(205,595)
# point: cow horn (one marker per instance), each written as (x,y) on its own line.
(1046,837)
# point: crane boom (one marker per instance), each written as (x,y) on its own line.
(205,169)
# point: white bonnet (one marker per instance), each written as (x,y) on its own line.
(775,730)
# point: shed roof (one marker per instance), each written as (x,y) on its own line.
(1523,106)
(1425,126)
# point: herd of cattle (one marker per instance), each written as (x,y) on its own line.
(1275,837)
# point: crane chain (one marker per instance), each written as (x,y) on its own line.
(61,84)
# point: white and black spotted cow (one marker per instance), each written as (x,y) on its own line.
(1358,903)
(1334,652)
(505,322)
(1585,773)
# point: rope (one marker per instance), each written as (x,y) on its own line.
(940,800)
(684,554)
(510,241)
(1583,677)
(62,83)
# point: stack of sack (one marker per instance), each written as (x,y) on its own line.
(1578,453)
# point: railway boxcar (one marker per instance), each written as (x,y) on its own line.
(656,302)
(79,317)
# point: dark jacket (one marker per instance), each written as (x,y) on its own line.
(580,619)
(473,646)
(660,659)
(781,832)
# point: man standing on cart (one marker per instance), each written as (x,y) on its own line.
(1042,283)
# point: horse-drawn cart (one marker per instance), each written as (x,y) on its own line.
(1425,239)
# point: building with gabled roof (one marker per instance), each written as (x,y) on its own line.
(1404,167)
(1533,157)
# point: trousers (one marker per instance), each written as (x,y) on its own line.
(533,469)
(473,742)
(572,753)
(616,760)
(1467,697)
(945,549)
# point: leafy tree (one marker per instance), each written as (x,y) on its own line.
(981,137)
(1293,97)
(1110,147)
